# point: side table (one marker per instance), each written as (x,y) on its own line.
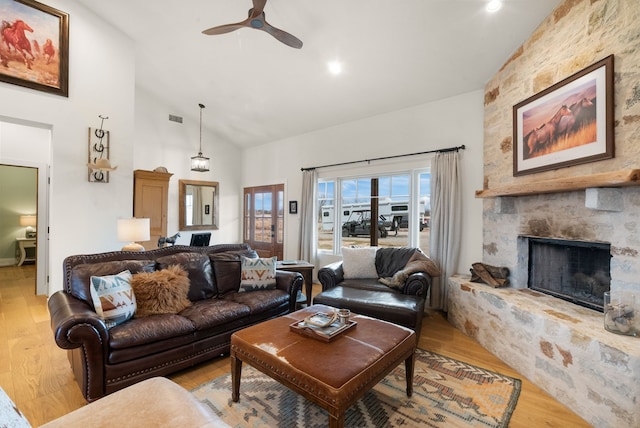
(305,268)
(22,244)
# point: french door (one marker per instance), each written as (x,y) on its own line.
(264,219)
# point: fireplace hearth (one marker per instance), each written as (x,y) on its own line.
(576,271)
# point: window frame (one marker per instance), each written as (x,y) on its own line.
(413,172)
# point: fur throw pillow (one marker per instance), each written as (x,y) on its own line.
(161,292)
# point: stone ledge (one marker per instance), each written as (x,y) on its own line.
(561,347)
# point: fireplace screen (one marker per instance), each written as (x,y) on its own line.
(576,271)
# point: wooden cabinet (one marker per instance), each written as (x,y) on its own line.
(150,200)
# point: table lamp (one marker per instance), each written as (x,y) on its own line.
(132,230)
(30,221)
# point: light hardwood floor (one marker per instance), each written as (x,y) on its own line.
(35,373)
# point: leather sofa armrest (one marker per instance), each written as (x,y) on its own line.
(331,275)
(74,322)
(76,326)
(291,282)
(417,284)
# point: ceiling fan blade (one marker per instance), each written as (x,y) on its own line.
(258,6)
(222,29)
(256,20)
(283,36)
(254,13)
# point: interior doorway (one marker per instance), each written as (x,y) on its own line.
(263,225)
(20,243)
(26,145)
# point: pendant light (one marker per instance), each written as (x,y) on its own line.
(200,163)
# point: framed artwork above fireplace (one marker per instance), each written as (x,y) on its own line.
(567,124)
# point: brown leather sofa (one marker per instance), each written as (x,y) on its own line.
(106,360)
(401,303)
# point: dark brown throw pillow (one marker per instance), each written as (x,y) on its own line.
(227,268)
(81,274)
(199,270)
(161,292)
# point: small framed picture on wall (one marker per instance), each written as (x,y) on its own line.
(293,207)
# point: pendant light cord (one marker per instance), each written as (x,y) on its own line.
(201,107)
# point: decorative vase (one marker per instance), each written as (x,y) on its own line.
(621,313)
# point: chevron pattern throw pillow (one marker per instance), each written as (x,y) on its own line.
(258,274)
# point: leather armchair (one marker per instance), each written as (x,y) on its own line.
(407,276)
(332,275)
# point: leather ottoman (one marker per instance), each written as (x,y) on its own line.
(335,374)
(403,309)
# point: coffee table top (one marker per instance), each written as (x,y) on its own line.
(354,352)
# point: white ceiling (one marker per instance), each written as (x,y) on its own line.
(395,54)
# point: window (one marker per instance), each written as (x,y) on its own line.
(403,210)
(326,195)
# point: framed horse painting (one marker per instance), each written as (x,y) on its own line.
(34,46)
(567,124)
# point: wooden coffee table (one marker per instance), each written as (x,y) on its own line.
(333,375)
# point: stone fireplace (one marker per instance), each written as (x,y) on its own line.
(558,345)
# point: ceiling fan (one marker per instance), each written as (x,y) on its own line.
(257,21)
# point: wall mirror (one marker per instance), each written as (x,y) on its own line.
(198,205)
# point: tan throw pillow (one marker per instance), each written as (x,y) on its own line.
(258,274)
(113,298)
(359,263)
(161,292)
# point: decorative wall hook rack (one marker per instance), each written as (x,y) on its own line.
(99,164)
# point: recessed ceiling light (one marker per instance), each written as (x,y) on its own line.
(335,67)
(494,6)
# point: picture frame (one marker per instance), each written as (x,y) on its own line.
(293,207)
(567,124)
(37,55)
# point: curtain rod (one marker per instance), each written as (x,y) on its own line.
(450,149)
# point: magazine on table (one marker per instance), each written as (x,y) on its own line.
(324,325)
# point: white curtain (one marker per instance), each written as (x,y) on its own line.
(446,219)
(197,205)
(307,209)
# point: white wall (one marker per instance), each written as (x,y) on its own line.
(450,122)
(82,215)
(160,142)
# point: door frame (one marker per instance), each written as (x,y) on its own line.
(248,220)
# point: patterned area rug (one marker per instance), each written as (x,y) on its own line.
(446,393)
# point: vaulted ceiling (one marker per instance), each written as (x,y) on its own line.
(394,54)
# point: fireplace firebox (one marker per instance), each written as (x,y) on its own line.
(576,271)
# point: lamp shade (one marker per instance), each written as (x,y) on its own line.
(28,220)
(132,230)
(200,163)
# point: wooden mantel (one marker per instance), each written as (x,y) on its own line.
(622,178)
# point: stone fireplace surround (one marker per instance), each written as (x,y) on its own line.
(561,347)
